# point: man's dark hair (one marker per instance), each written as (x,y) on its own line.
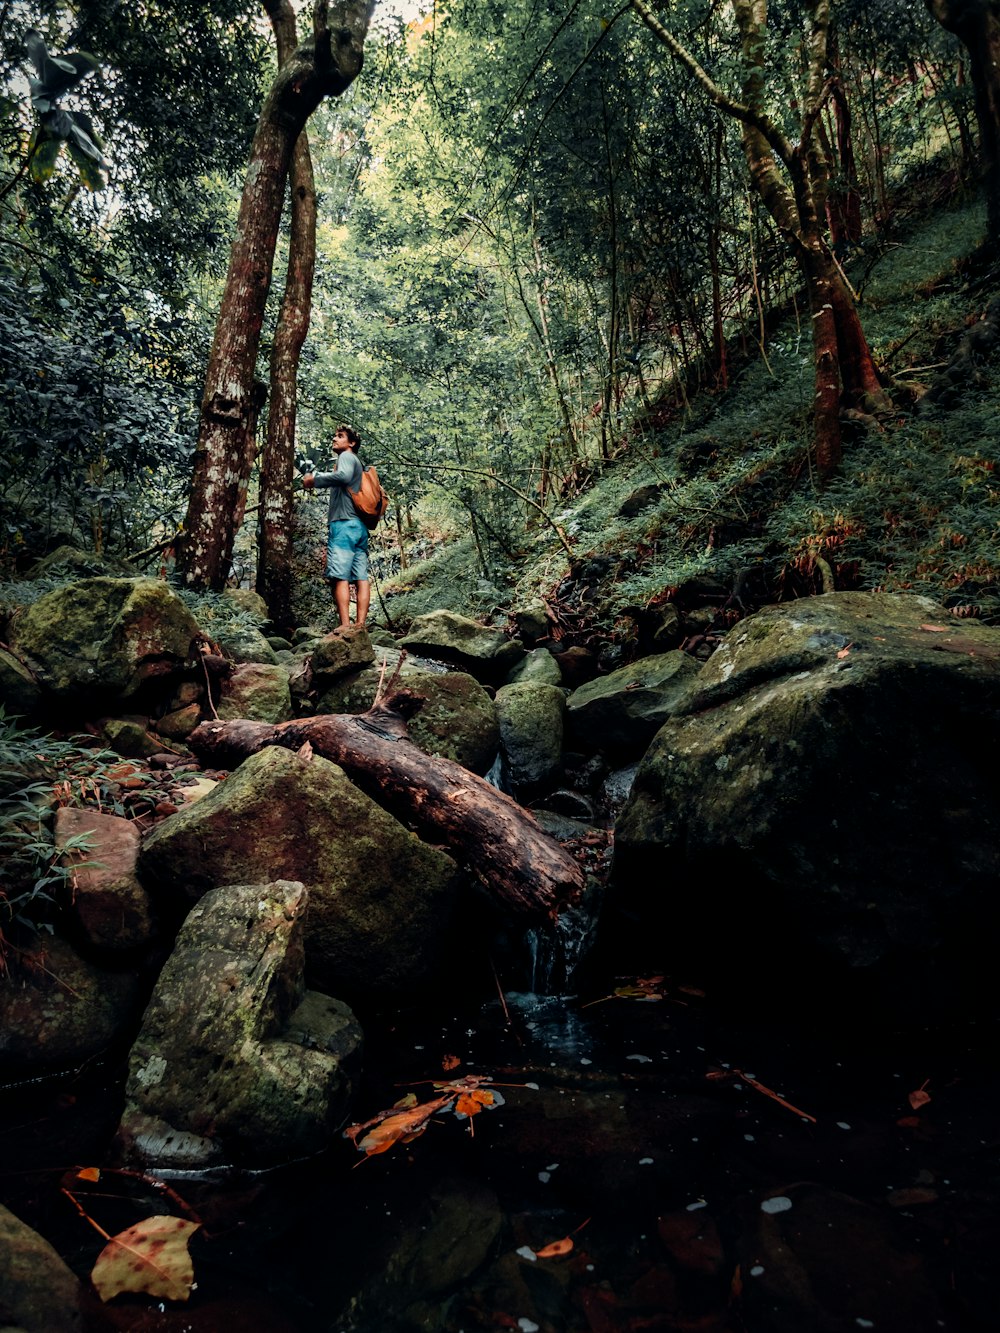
(352,435)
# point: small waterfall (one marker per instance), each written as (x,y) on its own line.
(557,948)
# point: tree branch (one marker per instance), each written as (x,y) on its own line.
(716,95)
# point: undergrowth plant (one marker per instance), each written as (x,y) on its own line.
(38,773)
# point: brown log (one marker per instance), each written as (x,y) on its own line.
(521,867)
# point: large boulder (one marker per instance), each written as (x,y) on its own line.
(340,653)
(487,653)
(456,720)
(531,732)
(619,714)
(823,812)
(39,1293)
(57,1010)
(104,639)
(256,690)
(380,900)
(235,1061)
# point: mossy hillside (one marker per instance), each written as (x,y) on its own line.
(914,508)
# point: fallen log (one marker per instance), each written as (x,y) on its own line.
(520,865)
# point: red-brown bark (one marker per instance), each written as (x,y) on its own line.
(323,67)
(274,536)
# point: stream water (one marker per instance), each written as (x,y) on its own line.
(643,1134)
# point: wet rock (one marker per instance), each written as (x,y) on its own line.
(380,900)
(256,690)
(39,1293)
(129,737)
(444,1240)
(833,1264)
(241,643)
(107,639)
(618,788)
(485,653)
(666,627)
(539,666)
(575,804)
(531,732)
(341,653)
(825,785)
(58,1010)
(620,714)
(178,725)
(249,601)
(381,638)
(532,622)
(235,1061)
(109,905)
(457,719)
(576,665)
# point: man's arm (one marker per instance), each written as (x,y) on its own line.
(345,474)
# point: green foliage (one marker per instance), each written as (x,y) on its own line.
(32,880)
(56,76)
(96,421)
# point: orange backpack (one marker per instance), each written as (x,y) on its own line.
(371,501)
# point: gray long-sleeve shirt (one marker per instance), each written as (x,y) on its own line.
(346,477)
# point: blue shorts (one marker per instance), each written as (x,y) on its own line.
(347,550)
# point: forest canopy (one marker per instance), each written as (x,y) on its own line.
(540,231)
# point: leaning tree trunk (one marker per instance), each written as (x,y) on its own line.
(522,868)
(976,23)
(274,541)
(322,67)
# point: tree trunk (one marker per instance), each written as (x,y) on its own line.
(322,67)
(522,867)
(976,23)
(274,545)
(794,193)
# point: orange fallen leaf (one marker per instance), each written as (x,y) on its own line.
(152,1257)
(919,1098)
(471,1103)
(394,1126)
(557,1248)
(450,1062)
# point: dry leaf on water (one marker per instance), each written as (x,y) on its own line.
(151,1257)
(557,1248)
(919,1097)
(395,1126)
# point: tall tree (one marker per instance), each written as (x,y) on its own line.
(274,542)
(793,178)
(324,66)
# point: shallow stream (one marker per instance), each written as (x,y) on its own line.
(646,1135)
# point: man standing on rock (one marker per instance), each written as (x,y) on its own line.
(347,548)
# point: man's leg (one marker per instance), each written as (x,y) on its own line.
(342,598)
(364,598)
